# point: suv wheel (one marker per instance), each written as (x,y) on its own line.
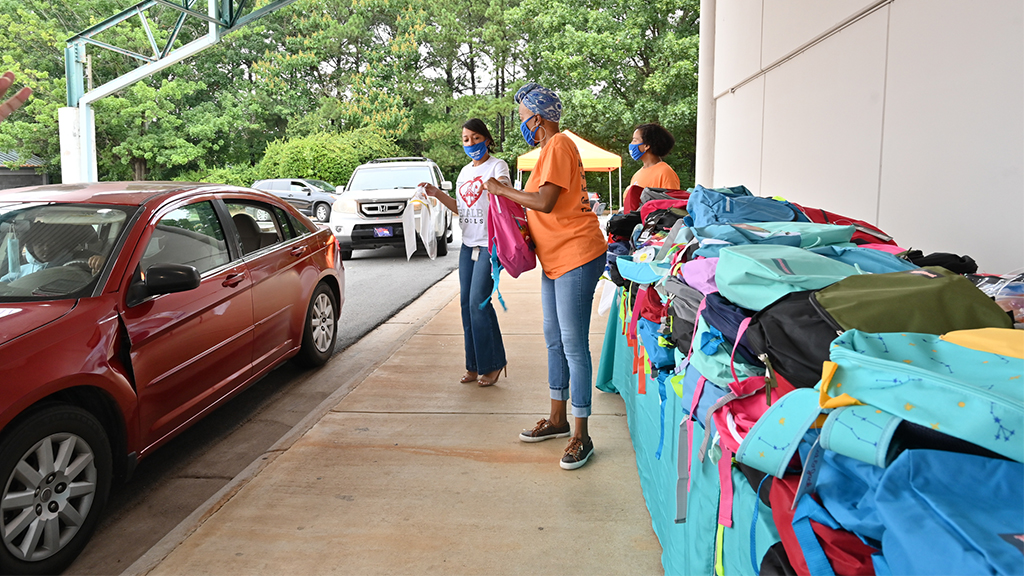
(322,212)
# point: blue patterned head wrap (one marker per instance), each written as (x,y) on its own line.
(540,100)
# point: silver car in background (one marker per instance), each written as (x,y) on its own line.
(313,198)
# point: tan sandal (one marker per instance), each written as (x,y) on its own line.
(485,380)
(468,377)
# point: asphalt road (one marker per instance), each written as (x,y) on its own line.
(178,478)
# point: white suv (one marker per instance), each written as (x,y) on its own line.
(368,213)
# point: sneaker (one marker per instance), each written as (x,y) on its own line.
(576,454)
(544,430)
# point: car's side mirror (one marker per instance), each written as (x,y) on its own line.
(306,190)
(164,279)
(446,185)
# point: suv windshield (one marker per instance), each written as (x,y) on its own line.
(55,251)
(388,176)
(322,185)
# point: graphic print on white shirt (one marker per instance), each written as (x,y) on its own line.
(473,199)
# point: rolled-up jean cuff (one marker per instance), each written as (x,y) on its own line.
(560,394)
(580,411)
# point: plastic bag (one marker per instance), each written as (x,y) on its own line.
(1006,290)
(431,213)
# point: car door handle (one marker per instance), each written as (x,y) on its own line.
(298,251)
(233,280)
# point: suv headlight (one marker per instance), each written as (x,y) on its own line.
(345,206)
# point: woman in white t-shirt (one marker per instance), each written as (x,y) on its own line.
(485,352)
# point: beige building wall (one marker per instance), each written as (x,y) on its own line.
(905,113)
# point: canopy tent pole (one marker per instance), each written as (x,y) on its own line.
(610,208)
(620,188)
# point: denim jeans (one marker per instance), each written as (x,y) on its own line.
(567,301)
(485,351)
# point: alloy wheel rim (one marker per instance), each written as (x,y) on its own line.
(321,213)
(48,496)
(322,323)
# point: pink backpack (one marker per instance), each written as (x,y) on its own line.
(509,236)
(508,240)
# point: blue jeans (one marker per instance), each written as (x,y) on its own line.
(567,301)
(485,351)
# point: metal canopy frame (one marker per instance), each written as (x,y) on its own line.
(222,17)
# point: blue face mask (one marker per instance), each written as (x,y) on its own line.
(634,151)
(528,135)
(476,151)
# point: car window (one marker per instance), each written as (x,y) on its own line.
(297,186)
(275,185)
(53,251)
(386,177)
(288,227)
(298,226)
(190,235)
(323,185)
(257,225)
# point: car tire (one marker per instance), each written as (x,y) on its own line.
(346,254)
(450,236)
(442,246)
(322,212)
(41,458)
(320,332)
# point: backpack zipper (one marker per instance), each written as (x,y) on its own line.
(900,367)
(825,315)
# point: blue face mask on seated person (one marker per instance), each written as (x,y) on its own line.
(476,151)
(528,135)
(634,151)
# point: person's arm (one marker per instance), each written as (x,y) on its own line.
(542,201)
(445,199)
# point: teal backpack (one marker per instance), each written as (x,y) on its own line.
(969,394)
(754,276)
(876,381)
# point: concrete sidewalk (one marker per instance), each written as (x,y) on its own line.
(411,472)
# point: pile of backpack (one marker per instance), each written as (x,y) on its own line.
(850,406)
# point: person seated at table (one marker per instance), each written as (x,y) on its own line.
(650,144)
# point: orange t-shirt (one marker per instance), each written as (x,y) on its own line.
(570,235)
(661,175)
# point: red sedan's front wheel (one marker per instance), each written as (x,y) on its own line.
(56,468)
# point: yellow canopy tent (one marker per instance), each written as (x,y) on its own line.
(594,159)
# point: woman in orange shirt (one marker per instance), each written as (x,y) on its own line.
(571,250)
(650,144)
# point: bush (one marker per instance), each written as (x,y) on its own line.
(323,156)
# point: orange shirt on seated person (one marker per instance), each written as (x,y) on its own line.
(661,175)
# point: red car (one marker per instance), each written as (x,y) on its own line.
(128,311)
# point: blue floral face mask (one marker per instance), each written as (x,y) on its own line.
(528,135)
(476,151)
(634,151)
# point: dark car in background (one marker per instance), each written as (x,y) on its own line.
(128,311)
(313,198)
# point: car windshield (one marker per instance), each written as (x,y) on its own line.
(55,251)
(386,177)
(322,185)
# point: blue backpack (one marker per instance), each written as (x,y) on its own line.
(866,259)
(929,512)
(734,205)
